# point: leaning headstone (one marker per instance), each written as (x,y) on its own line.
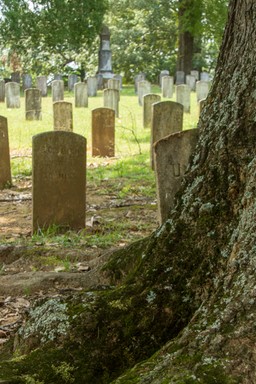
(202,89)
(144,87)
(171,155)
(195,73)
(92,86)
(58,177)
(12,94)
(111,99)
(167,118)
(140,77)
(204,76)
(103,132)
(191,82)
(2,91)
(183,96)
(62,116)
(113,84)
(33,104)
(81,95)
(41,83)
(72,79)
(180,78)
(201,105)
(148,101)
(26,81)
(167,87)
(5,164)
(163,73)
(57,90)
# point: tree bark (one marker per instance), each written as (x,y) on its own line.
(187,293)
(185,38)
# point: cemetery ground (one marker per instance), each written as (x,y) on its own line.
(121,207)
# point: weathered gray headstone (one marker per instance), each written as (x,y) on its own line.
(183,96)
(167,86)
(195,73)
(113,84)
(167,118)
(2,91)
(148,101)
(140,77)
(172,154)
(33,104)
(92,86)
(103,132)
(58,177)
(57,90)
(191,82)
(81,95)
(72,79)
(41,83)
(15,77)
(202,89)
(26,81)
(144,87)
(111,99)
(180,78)
(204,76)
(12,94)
(163,73)
(57,76)
(5,164)
(62,116)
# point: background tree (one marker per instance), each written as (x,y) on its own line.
(53,32)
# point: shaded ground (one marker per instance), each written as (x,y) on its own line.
(34,266)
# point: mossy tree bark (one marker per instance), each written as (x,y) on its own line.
(188,292)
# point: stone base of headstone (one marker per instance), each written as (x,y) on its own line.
(59,180)
(171,157)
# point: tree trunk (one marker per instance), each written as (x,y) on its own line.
(188,292)
(186,38)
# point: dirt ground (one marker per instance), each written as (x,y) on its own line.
(36,267)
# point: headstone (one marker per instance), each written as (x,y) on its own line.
(148,101)
(33,104)
(62,116)
(120,78)
(144,87)
(140,77)
(15,77)
(201,105)
(58,177)
(195,73)
(202,89)
(105,56)
(183,96)
(2,91)
(163,73)
(167,86)
(204,76)
(12,94)
(180,78)
(5,164)
(103,132)
(167,118)
(111,99)
(172,154)
(72,79)
(57,76)
(41,83)
(26,81)
(113,84)
(92,86)
(81,95)
(57,90)
(191,82)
